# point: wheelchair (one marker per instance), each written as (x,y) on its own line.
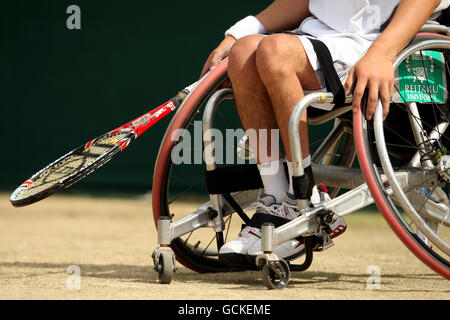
(404,168)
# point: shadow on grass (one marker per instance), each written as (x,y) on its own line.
(250,280)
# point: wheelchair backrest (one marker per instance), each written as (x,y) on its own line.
(444,19)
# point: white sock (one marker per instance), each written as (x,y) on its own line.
(306,163)
(274,179)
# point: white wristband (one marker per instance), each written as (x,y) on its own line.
(246,27)
(306,161)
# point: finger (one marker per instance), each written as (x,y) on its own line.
(358,93)
(212,62)
(215,60)
(391,89)
(349,82)
(206,67)
(385,97)
(372,100)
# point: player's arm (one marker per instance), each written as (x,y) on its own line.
(375,70)
(280,15)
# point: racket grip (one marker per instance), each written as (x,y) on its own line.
(179,98)
(183,94)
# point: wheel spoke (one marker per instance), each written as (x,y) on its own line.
(228,227)
(185,191)
(429,89)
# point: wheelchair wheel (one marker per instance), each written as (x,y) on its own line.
(169,181)
(174,184)
(418,211)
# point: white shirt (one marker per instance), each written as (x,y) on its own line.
(361,18)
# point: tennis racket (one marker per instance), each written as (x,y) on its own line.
(80,162)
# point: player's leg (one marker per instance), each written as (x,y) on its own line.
(286,72)
(251,99)
(255,111)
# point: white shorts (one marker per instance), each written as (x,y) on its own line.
(346,50)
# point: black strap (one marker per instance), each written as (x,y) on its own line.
(230,179)
(259,218)
(332,80)
(304,184)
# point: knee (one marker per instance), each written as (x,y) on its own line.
(241,60)
(277,55)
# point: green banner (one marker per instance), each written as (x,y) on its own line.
(421,78)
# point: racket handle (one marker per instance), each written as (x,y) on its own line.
(179,98)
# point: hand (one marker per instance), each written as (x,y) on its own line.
(218,54)
(374,72)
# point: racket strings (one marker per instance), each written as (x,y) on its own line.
(55,174)
(104,144)
(71,164)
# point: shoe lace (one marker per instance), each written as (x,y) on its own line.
(288,210)
(262,208)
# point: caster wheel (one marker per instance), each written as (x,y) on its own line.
(276,275)
(165,267)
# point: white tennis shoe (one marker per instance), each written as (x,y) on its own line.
(242,250)
(294,248)
(234,253)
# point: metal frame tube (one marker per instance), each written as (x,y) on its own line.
(419,132)
(164,231)
(294,132)
(267,237)
(208,122)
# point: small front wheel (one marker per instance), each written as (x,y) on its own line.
(276,274)
(165,267)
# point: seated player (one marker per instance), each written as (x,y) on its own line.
(271,73)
